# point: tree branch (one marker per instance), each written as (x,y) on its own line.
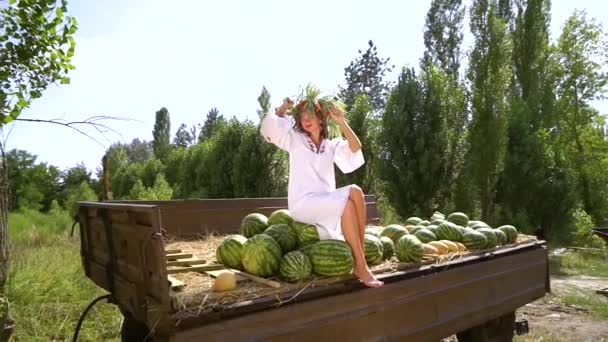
(91,121)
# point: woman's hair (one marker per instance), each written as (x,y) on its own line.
(301,109)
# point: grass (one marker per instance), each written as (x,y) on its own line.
(596,304)
(539,335)
(47,289)
(589,263)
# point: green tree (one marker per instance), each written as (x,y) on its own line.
(159,191)
(83,192)
(399,148)
(529,158)
(138,151)
(184,137)
(213,123)
(443,35)
(162,134)
(581,59)
(489,73)
(365,75)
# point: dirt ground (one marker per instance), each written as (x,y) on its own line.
(556,321)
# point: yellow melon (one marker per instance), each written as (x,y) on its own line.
(428,249)
(225,281)
(440,246)
(451,245)
(461,247)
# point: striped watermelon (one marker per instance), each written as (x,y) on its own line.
(252,224)
(388,247)
(307,233)
(373,231)
(448,231)
(284,235)
(474,240)
(295,267)
(409,249)
(437,215)
(424,223)
(501,237)
(330,257)
(280,216)
(432,228)
(510,231)
(229,251)
(373,250)
(490,236)
(437,222)
(394,232)
(261,255)
(413,220)
(416,229)
(476,222)
(459,218)
(480,225)
(425,235)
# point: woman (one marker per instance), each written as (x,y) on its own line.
(312,194)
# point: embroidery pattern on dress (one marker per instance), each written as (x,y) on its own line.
(312,146)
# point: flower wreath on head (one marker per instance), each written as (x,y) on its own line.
(310,100)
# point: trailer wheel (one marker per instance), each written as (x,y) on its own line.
(500,329)
(134,331)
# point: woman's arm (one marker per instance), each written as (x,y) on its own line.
(353,141)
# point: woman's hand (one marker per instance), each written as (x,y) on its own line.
(287,104)
(337,114)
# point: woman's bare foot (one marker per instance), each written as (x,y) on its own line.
(366,276)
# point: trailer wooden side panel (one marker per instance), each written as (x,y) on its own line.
(423,308)
(122,252)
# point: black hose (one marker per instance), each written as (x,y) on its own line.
(107,296)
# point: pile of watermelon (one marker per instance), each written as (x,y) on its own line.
(443,235)
(278,245)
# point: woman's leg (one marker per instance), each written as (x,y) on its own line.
(356,195)
(351,232)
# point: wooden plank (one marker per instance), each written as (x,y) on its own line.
(179,256)
(215,273)
(257,279)
(186,262)
(201,268)
(176,284)
(173,251)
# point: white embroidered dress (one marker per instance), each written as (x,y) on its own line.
(312,194)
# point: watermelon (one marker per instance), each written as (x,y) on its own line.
(476,222)
(295,267)
(409,249)
(479,225)
(458,218)
(252,224)
(432,227)
(474,240)
(229,251)
(388,247)
(425,235)
(490,236)
(416,228)
(373,250)
(330,257)
(372,231)
(261,255)
(424,223)
(510,231)
(501,237)
(413,220)
(394,232)
(467,229)
(280,216)
(437,222)
(286,236)
(307,233)
(448,231)
(437,216)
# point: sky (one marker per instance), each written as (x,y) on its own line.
(134,57)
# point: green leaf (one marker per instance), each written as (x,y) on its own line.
(65,80)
